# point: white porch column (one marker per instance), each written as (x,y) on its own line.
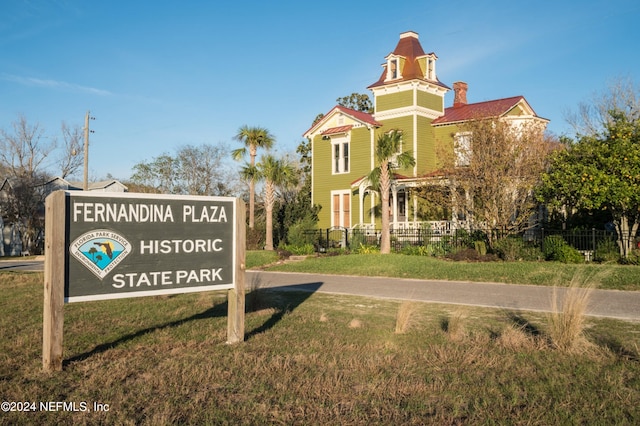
(372,211)
(361,205)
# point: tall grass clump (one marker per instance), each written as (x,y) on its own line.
(405,316)
(567,319)
(454,325)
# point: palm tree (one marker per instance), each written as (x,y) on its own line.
(388,157)
(252,138)
(276,172)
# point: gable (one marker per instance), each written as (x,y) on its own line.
(341,120)
(514,106)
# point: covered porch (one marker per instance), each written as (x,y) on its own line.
(404,211)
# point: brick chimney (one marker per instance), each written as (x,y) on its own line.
(460,94)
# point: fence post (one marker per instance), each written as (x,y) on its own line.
(326,249)
(346,239)
(593,242)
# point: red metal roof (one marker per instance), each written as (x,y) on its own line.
(478,110)
(336,130)
(410,48)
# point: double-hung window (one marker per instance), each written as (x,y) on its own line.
(463,148)
(340,153)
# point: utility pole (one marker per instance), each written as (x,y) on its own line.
(85,184)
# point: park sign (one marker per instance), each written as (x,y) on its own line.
(107,246)
(140,245)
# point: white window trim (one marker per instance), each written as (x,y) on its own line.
(340,142)
(430,72)
(397,61)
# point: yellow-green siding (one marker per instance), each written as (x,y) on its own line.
(324,181)
(431,101)
(426,157)
(394,100)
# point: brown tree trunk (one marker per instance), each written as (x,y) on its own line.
(385,238)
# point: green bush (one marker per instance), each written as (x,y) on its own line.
(255,237)
(366,249)
(427,250)
(359,237)
(466,239)
(481,247)
(296,235)
(515,248)
(556,248)
(607,251)
(299,250)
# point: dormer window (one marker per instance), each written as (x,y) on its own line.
(393,68)
(430,71)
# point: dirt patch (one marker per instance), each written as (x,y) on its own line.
(472,255)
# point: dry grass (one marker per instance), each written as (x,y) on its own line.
(567,320)
(454,325)
(405,317)
(517,337)
(356,323)
(165,361)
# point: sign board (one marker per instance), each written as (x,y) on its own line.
(106,246)
(139,245)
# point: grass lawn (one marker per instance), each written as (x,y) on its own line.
(610,276)
(310,359)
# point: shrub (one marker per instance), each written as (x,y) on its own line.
(481,247)
(556,248)
(515,248)
(468,254)
(255,239)
(437,249)
(367,249)
(296,234)
(470,239)
(359,237)
(339,251)
(299,250)
(607,251)
(427,250)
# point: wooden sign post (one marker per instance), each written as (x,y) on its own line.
(54,277)
(105,246)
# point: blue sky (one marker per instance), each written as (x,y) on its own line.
(162,74)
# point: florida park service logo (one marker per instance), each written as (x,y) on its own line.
(100,251)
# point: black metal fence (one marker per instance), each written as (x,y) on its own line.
(586,241)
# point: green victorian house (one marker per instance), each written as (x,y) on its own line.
(408,97)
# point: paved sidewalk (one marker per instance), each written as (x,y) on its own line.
(603,303)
